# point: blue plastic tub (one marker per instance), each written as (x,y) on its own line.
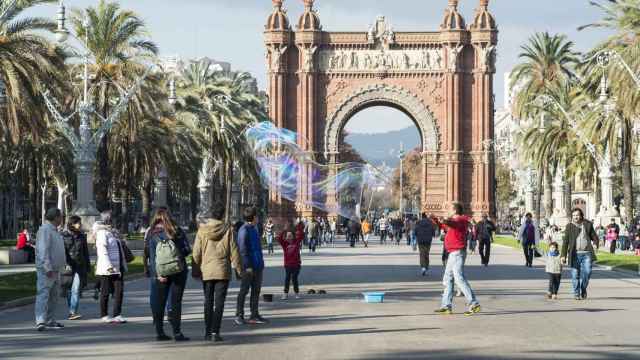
(373,297)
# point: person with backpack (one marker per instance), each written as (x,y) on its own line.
(149,265)
(79,263)
(250,249)
(424,233)
(171,251)
(110,268)
(613,232)
(214,251)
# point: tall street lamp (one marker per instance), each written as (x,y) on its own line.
(401,157)
(85,144)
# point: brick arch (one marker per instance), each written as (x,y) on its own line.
(381,94)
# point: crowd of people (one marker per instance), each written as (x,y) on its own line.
(221,251)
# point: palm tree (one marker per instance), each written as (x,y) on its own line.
(198,87)
(546,60)
(118,41)
(623,17)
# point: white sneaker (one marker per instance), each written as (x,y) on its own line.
(297,296)
(119,320)
(107,319)
(284,297)
(458,293)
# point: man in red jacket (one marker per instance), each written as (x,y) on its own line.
(455,244)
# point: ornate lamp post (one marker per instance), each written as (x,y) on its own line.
(85,144)
(401,157)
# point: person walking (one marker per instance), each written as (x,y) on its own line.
(578,253)
(110,268)
(332,230)
(424,233)
(312,233)
(214,252)
(366,231)
(485,230)
(554,269)
(354,232)
(170,268)
(292,262)
(77,257)
(268,230)
(383,230)
(613,232)
(455,246)
(528,236)
(252,265)
(50,261)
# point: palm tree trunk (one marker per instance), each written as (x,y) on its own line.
(229,175)
(33,192)
(627,187)
(567,197)
(146,200)
(548,192)
(538,206)
(124,214)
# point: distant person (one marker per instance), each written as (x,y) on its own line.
(332,230)
(528,236)
(50,262)
(313,229)
(383,229)
(366,231)
(613,232)
(424,233)
(578,253)
(77,255)
(250,249)
(214,251)
(24,243)
(455,245)
(269,232)
(354,232)
(110,268)
(485,229)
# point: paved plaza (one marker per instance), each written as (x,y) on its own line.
(516,321)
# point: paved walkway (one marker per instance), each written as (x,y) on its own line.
(517,322)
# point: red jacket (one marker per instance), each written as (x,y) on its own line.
(22,241)
(456,238)
(291,250)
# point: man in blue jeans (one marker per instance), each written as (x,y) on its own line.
(578,252)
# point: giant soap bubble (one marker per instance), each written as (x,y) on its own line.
(285,167)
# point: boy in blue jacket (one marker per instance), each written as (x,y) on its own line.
(253,265)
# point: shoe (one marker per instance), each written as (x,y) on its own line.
(257,320)
(75,317)
(474,309)
(41,327)
(119,320)
(443,311)
(217,338)
(577,297)
(239,320)
(584,295)
(549,295)
(162,337)
(297,296)
(180,337)
(554,297)
(107,319)
(459,293)
(285,296)
(54,326)
(424,271)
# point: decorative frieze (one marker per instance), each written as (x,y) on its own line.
(423,60)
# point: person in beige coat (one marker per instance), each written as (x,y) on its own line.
(213,253)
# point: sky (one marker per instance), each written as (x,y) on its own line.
(231,30)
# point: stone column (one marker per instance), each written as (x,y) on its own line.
(161,184)
(530,186)
(85,204)
(332,194)
(560,193)
(453,146)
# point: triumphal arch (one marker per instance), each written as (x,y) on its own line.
(443,80)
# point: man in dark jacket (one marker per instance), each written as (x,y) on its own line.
(578,252)
(425,231)
(354,232)
(77,255)
(250,249)
(484,232)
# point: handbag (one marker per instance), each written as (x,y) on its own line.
(128,255)
(196,271)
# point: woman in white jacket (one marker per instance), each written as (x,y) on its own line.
(110,268)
